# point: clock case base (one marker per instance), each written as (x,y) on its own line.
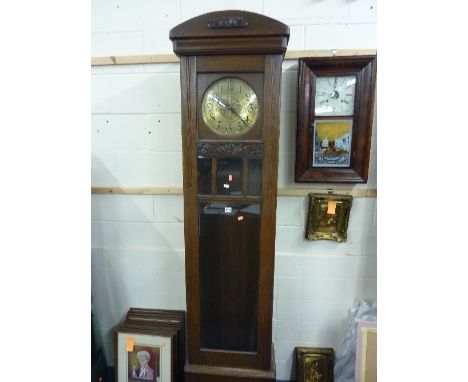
(203,373)
(229,375)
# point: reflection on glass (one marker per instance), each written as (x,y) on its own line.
(255,177)
(334,95)
(332,142)
(204,175)
(229,271)
(229,176)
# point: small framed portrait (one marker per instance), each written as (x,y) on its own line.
(144,357)
(143,363)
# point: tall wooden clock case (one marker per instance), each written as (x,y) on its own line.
(230,65)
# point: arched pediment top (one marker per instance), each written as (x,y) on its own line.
(234,27)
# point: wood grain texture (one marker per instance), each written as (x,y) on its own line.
(204,373)
(261,34)
(272,90)
(189,117)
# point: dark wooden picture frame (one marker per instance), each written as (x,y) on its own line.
(364,68)
(155,323)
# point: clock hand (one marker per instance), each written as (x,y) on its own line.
(334,94)
(236,113)
(227,106)
(217,100)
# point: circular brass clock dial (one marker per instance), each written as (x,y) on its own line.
(230,106)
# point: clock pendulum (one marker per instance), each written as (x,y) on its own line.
(230,67)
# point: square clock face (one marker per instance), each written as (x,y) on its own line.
(334,95)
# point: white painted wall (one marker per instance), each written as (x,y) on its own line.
(137,241)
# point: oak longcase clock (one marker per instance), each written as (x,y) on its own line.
(230,64)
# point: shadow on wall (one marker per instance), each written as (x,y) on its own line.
(137,257)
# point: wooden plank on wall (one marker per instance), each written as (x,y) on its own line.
(172,58)
(357,193)
(138,190)
(129,60)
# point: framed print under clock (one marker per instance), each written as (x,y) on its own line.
(334,119)
(144,357)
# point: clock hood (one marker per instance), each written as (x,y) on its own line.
(230,32)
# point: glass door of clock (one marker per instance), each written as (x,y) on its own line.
(229,252)
(229,259)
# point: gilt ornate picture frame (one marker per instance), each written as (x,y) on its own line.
(328,217)
(315,364)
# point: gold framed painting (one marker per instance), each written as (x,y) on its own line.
(315,364)
(328,217)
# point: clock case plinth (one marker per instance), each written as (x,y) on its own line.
(251,47)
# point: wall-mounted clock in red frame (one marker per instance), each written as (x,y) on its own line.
(334,119)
